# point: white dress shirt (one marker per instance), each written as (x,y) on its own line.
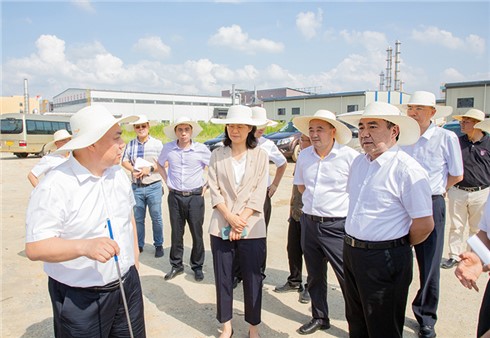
(485,219)
(47,163)
(72,203)
(385,195)
(325,180)
(273,152)
(439,152)
(185,166)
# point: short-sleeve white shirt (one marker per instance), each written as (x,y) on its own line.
(274,153)
(385,195)
(72,203)
(485,219)
(47,163)
(325,180)
(439,153)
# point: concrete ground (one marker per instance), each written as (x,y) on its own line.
(181,307)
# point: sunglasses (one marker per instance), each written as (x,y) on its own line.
(140,126)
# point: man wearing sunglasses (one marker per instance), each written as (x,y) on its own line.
(140,158)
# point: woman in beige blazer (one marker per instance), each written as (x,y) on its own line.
(237,179)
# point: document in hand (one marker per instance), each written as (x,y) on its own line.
(141,163)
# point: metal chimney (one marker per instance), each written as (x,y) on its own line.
(389,53)
(381,81)
(397,65)
(233,94)
(26,98)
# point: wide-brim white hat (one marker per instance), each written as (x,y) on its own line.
(409,128)
(238,114)
(143,119)
(483,125)
(343,135)
(260,114)
(59,135)
(473,114)
(89,124)
(170,129)
(422,98)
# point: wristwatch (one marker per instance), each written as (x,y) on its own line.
(152,169)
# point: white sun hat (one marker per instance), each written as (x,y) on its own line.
(89,124)
(473,114)
(170,129)
(59,135)
(343,135)
(422,98)
(260,114)
(143,119)
(483,125)
(238,114)
(409,128)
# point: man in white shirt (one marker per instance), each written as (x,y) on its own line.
(68,222)
(184,176)
(321,176)
(439,153)
(146,182)
(51,160)
(389,210)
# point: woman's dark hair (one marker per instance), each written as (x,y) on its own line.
(251,140)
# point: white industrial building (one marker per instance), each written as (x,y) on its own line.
(284,109)
(463,96)
(158,107)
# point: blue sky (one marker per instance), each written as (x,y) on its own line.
(205,47)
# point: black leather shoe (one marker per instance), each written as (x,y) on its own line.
(158,251)
(173,273)
(427,331)
(313,326)
(449,263)
(140,248)
(198,275)
(236,280)
(288,288)
(304,296)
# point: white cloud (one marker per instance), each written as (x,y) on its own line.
(437,36)
(85,5)
(370,40)
(153,46)
(234,38)
(309,23)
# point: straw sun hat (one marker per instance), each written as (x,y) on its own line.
(343,135)
(59,135)
(89,124)
(170,129)
(239,114)
(409,128)
(421,98)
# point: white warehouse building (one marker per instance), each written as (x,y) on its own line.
(158,107)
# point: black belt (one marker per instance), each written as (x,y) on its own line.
(383,245)
(471,189)
(145,185)
(112,286)
(436,196)
(197,191)
(324,219)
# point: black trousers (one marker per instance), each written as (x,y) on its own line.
(376,290)
(188,209)
(80,312)
(484,317)
(429,255)
(322,243)
(267,216)
(295,253)
(251,254)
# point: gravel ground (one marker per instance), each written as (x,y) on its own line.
(181,307)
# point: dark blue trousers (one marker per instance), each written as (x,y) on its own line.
(484,318)
(81,312)
(429,255)
(251,254)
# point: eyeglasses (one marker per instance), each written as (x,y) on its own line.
(140,126)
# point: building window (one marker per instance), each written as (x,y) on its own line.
(295,111)
(467,102)
(145,101)
(281,111)
(352,107)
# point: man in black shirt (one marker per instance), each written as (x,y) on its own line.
(467,198)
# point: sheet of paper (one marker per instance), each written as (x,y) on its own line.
(141,163)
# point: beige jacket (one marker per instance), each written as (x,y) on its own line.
(251,192)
